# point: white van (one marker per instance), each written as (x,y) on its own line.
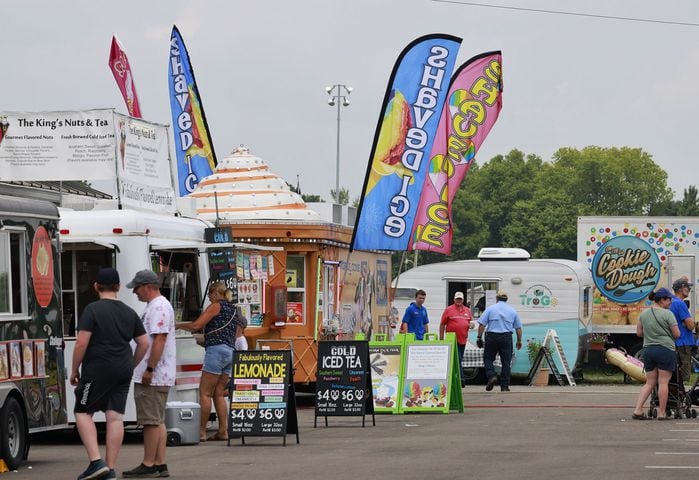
(547,294)
(130,241)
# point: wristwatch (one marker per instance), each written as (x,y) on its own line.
(149,369)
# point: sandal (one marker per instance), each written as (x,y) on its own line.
(640,417)
(217,438)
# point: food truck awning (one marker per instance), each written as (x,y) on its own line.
(177,245)
(77,243)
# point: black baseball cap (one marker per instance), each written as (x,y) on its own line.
(107,276)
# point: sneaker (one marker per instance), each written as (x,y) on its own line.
(141,472)
(162,470)
(504,389)
(491,383)
(96,469)
(111,475)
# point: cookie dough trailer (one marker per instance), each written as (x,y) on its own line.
(32,387)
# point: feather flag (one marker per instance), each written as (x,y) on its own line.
(472,107)
(193,146)
(119,65)
(403,140)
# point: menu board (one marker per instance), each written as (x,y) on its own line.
(342,379)
(222,267)
(262,399)
(427,371)
(385,375)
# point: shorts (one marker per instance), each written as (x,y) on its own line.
(218,359)
(150,403)
(101,394)
(656,356)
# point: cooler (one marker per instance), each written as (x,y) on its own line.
(182,423)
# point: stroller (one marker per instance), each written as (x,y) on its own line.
(679,400)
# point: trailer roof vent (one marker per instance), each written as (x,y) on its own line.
(497,253)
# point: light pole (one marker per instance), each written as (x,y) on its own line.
(339,95)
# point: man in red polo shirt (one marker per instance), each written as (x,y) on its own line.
(457,318)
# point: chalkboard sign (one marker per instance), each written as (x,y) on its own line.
(218,234)
(222,267)
(262,397)
(342,380)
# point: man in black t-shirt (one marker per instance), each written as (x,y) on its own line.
(103,364)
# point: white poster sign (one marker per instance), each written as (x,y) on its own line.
(58,146)
(143,164)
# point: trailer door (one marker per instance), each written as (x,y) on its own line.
(682,266)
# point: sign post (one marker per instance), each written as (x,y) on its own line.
(342,380)
(430,376)
(262,396)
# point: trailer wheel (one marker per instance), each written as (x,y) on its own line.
(13,433)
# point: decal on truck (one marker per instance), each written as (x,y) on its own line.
(625,269)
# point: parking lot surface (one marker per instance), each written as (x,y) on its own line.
(530,432)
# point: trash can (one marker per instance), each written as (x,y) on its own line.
(182,423)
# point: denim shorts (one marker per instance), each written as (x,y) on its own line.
(657,356)
(218,359)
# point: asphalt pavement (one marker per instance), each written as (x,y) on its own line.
(549,432)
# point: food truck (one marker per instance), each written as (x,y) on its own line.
(32,367)
(628,258)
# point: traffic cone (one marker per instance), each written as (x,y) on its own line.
(3,466)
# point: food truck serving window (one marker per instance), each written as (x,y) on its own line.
(13,271)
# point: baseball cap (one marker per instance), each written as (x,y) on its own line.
(107,276)
(680,283)
(459,295)
(662,293)
(501,294)
(144,277)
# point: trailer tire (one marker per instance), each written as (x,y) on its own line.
(13,433)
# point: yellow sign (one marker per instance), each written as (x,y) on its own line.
(291,278)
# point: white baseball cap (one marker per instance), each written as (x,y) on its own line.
(459,295)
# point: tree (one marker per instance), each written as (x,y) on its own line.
(342,198)
(311,198)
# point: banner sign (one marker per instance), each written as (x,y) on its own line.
(431,375)
(386,365)
(472,107)
(119,65)
(59,145)
(341,378)
(193,147)
(262,398)
(403,141)
(143,164)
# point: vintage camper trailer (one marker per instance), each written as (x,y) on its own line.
(32,368)
(547,294)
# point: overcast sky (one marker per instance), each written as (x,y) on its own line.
(262,67)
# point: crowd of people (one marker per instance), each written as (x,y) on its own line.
(104,366)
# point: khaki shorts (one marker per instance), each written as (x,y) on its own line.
(150,404)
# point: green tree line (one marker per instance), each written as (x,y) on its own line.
(518,200)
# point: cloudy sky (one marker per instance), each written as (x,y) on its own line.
(262,67)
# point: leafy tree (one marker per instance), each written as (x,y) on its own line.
(342,198)
(311,198)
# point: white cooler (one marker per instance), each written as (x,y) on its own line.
(182,423)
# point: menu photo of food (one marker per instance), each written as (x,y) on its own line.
(40,355)
(15,360)
(28,358)
(4,366)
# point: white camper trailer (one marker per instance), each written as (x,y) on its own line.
(547,294)
(131,241)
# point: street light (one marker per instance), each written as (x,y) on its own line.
(339,95)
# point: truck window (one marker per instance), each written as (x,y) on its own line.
(13,290)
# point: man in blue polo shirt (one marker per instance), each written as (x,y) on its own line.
(685,320)
(501,320)
(415,318)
